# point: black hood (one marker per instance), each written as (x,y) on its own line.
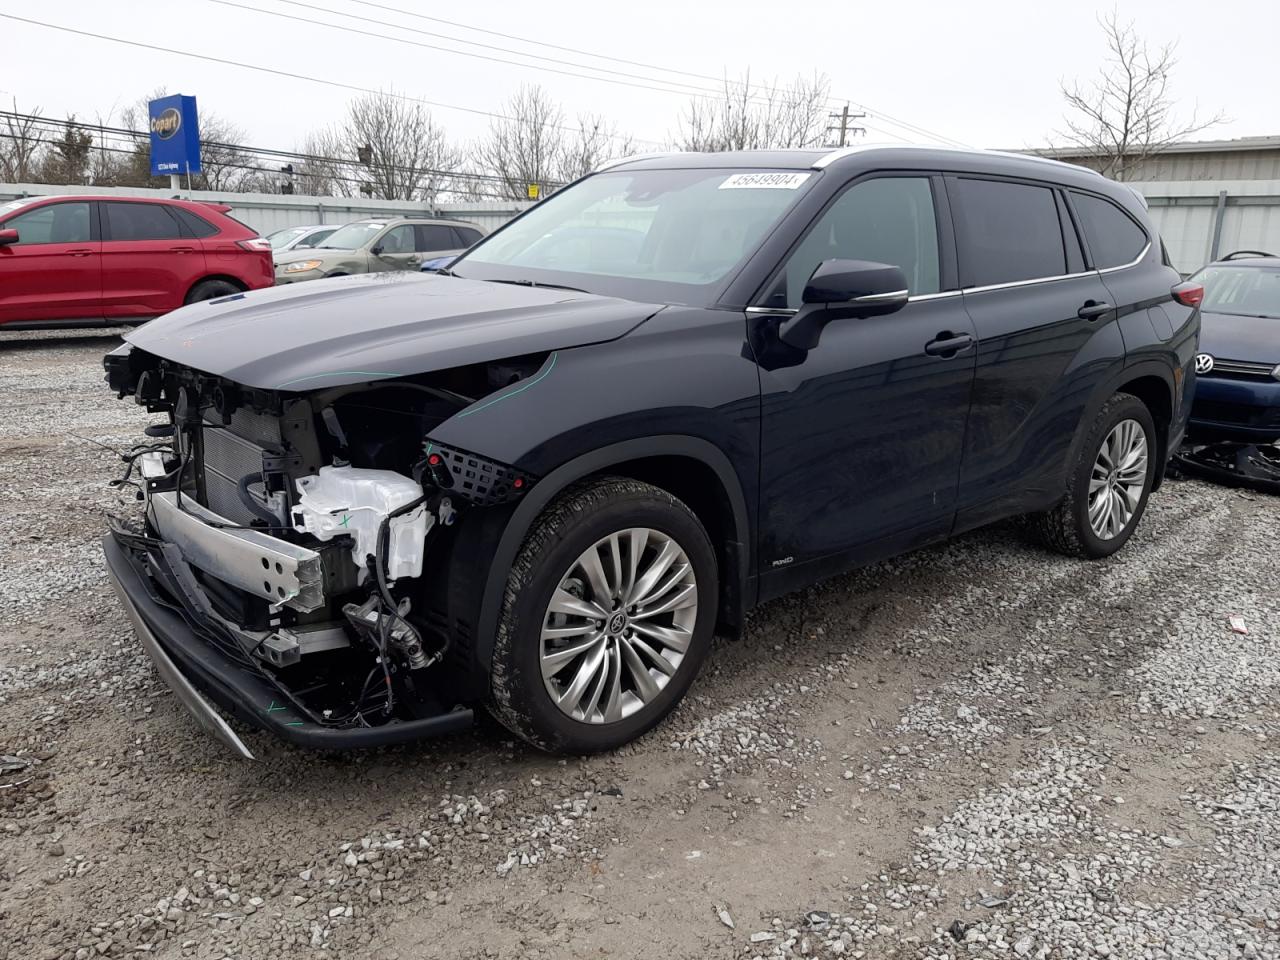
(325,333)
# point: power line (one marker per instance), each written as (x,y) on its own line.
(241,166)
(879,114)
(693,91)
(139,136)
(294,76)
(473,43)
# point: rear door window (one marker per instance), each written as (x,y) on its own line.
(1113,237)
(466,236)
(139,221)
(1007,232)
(435,236)
(55,223)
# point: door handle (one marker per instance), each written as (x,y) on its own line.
(182,249)
(1093,309)
(79,253)
(948,344)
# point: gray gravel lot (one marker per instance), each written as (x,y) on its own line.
(978,750)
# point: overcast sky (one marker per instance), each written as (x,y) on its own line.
(984,72)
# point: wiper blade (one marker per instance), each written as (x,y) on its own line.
(539,283)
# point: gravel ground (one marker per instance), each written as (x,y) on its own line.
(978,750)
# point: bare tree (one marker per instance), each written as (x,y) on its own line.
(67,159)
(20,146)
(401,149)
(758,116)
(224,163)
(1125,116)
(533,144)
(324,173)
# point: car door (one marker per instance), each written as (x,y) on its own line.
(148,263)
(54,270)
(395,250)
(1047,338)
(862,435)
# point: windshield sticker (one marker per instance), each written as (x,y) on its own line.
(764,181)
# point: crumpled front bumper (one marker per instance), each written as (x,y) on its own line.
(199,673)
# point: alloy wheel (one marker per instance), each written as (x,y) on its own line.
(618,625)
(1118,479)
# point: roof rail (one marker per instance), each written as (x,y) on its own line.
(829,158)
(1246,254)
(609,164)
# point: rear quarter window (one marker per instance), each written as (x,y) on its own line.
(1113,237)
(194,224)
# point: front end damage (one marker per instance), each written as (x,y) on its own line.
(297,556)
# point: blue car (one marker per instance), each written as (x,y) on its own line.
(436,264)
(1237,394)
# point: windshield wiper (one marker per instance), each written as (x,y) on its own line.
(539,283)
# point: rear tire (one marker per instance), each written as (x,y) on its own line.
(211,290)
(1104,502)
(572,682)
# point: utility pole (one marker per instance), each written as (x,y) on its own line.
(844,116)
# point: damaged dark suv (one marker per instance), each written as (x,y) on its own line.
(538,482)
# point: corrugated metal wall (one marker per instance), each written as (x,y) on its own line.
(1210,165)
(267,212)
(1186,213)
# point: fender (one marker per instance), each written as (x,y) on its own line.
(1105,390)
(545,490)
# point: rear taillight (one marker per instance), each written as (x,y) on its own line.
(1189,294)
(257,244)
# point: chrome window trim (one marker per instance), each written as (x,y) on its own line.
(1132,263)
(882,297)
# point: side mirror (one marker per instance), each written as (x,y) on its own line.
(844,288)
(377,251)
(8,236)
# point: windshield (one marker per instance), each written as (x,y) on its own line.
(282,238)
(1242,291)
(669,236)
(353,236)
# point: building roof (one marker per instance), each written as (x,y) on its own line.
(1239,144)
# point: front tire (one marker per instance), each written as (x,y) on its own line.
(608,614)
(1109,484)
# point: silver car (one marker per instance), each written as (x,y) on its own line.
(300,238)
(374,246)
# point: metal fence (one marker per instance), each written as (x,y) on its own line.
(267,212)
(1198,219)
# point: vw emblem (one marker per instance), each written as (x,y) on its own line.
(1204,363)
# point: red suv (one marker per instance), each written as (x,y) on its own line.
(73,261)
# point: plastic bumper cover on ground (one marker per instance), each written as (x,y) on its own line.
(195,670)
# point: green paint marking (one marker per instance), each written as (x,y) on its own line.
(275,709)
(295,723)
(507,396)
(338,373)
(346,519)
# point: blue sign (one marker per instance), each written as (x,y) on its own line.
(175,135)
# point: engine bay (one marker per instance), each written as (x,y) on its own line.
(304,535)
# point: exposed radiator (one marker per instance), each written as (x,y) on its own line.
(233,452)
